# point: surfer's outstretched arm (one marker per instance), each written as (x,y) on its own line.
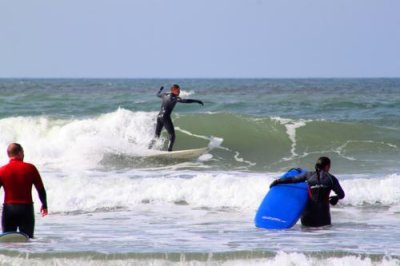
(190,101)
(289,180)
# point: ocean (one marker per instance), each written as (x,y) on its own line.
(109,205)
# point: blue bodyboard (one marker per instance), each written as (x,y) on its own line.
(283,205)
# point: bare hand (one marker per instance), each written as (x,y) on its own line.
(43,211)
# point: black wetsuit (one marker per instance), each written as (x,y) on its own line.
(317,211)
(168,103)
(18,216)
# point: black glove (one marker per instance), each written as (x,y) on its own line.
(200,102)
(274,183)
(333,200)
(162,87)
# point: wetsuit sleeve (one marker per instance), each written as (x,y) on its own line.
(159,93)
(189,101)
(337,188)
(38,183)
(37,180)
(289,180)
(43,197)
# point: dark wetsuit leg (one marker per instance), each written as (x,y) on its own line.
(159,127)
(165,121)
(171,132)
(8,221)
(18,216)
(316,214)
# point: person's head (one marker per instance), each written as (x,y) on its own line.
(15,150)
(323,163)
(175,90)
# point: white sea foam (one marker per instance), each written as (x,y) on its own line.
(291,127)
(281,258)
(383,191)
(89,191)
(185,93)
(214,142)
(78,143)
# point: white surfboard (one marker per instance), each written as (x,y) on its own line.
(182,154)
(13,237)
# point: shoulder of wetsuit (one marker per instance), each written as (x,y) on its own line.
(176,98)
(331,177)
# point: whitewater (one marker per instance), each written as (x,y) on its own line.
(109,205)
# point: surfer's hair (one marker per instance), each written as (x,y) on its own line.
(322,162)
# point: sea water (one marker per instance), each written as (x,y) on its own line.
(109,205)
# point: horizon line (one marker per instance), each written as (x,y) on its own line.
(200,78)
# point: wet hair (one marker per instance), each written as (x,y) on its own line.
(14,149)
(176,86)
(322,162)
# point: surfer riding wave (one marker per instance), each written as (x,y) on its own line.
(168,102)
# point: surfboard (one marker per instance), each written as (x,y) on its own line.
(283,205)
(13,237)
(181,154)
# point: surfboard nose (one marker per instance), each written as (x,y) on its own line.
(13,237)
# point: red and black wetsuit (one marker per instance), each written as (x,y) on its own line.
(17,178)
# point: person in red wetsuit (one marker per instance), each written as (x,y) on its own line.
(17,179)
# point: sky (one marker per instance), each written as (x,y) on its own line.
(199,38)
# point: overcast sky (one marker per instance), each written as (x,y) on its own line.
(199,38)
